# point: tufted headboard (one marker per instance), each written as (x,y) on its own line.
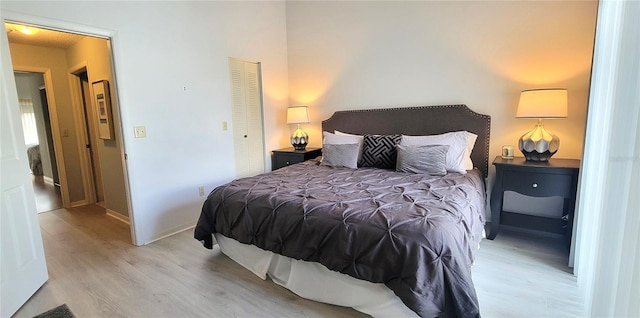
(424,120)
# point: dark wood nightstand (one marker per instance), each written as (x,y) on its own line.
(288,156)
(557,177)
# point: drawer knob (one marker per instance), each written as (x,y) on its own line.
(535,185)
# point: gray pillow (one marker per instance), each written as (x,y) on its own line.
(345,155)
(422,159)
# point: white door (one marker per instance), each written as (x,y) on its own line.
(22,265)
(246,99)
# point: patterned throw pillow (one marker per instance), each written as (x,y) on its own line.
(379,151)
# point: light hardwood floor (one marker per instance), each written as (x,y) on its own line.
(95,270)
(48,197)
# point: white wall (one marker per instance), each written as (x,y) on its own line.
(356,55)
(161,48)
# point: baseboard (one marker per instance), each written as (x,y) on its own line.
(118,216)
(47,180)
(76,204)
(170,234)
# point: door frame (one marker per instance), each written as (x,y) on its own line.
(86,164)
(112,36)
(55,127)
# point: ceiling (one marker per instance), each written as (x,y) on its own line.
(40,36)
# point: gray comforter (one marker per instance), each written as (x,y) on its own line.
(415,233)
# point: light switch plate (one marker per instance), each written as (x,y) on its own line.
(140,131)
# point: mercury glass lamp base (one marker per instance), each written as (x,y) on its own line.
(299,139)
(537,156)
(538,144)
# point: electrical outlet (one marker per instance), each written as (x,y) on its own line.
(140,131)
(224,126)
(201,190)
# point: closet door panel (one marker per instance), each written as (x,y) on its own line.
(255,140)
(248,133)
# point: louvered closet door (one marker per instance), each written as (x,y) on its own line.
(246,99)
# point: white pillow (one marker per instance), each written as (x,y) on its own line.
(458,157)
(343,139)
(339,133)
(471,142)
(339,138)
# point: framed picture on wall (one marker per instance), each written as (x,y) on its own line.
(102,102)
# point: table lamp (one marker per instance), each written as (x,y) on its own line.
(538,144)
(298,115)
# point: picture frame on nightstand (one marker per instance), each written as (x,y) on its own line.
(507,152)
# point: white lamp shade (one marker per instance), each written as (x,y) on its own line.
(542,103)
(297,115)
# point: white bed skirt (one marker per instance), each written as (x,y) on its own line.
(314,281)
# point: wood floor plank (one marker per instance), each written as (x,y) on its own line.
(525,274)
(97,272)
(48,197)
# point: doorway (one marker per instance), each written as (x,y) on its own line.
(38,138)
(27,271)
(90,170)
(91,142)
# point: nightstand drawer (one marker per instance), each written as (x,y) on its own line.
(538,184)
(283,160)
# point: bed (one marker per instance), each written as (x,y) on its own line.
(35,161)
(386,243)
